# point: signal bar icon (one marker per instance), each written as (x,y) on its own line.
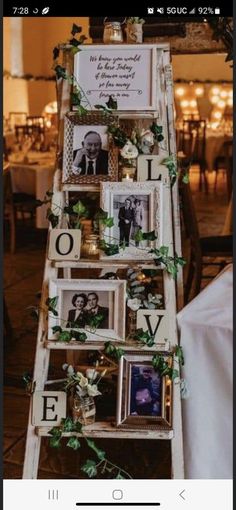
(193,11)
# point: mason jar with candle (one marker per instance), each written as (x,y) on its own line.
(112,32)
(129,154)
(90,247)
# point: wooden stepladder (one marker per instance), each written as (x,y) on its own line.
(171,238)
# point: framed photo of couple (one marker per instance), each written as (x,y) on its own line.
(96,307)
(89,155)
(134,206)
(144,398)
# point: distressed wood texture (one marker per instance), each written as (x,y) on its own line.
(170,238)
(187,37)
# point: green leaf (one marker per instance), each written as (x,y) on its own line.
(101,215)
(78,336)
(149,236)
(100,453)
(109,222)
(81,110)
(119,477)
(67,424)
(51,303)
(60,72)
(52,218)
(144,337)
(76,29)
(55,442)
(112,103)
(185,178)
(175,373)
(79,208)
(73,443)
(56,329)
(138,235)
(74,42)
(179,353)
(109,249)
(56,53)
(55,432)
(111,350)
(164,250)
(90,468)
(94,321)
(75,99)
(64,336)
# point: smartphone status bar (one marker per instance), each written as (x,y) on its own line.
(150,9)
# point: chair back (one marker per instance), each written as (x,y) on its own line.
(188,215)
(197,130)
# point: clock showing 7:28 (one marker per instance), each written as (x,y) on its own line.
(20,10)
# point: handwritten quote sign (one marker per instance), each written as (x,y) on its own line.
(125,73)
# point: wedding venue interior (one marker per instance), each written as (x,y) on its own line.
(154,171)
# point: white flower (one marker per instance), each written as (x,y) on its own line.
(147,137)
(91,373)
(93,390)
(70,370)
(184,389)
(81,392)
(83,382)
(157,298)
(134,304)
(129,151)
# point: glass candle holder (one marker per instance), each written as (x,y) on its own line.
(84,410)
(112,32)
(90,247)
(128,173)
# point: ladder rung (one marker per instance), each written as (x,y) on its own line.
(107,429)
(99,346)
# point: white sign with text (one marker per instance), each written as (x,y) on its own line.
(125,72)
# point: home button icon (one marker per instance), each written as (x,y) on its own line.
(117,495)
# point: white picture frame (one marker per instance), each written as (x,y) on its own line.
(149,194)
(125,72)
(111,300)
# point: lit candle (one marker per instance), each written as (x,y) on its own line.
(127,178)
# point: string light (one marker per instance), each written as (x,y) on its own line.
(221,104)
(184,103)
(180,91)
(193,103)
(199,91)
(215,91)
(223,93)
(217,115)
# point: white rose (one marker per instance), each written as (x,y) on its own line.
(83,382)
(134,304)
(93,390)
(147,137)
(129,151)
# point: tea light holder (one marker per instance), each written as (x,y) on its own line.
(90,247)
(128,173)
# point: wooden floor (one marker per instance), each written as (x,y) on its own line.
(23,274)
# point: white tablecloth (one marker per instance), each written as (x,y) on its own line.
(34,179)
(214,145)
(206,337)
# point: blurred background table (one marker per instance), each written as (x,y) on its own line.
(33,177)
(206,335)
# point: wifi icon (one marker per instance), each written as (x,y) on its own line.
(192,11)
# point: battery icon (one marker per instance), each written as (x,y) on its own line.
(217,10)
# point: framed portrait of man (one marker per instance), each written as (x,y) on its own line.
(135,207)
(93,307)
(89,155)
(144,395)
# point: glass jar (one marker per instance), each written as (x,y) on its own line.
(84,410)
(90,247)
(112,32)
(128,173)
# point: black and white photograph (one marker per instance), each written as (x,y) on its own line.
(82,307)
(145,391)
(136,209)
(131,214)
(96,307)
(90,150)
(89,154)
